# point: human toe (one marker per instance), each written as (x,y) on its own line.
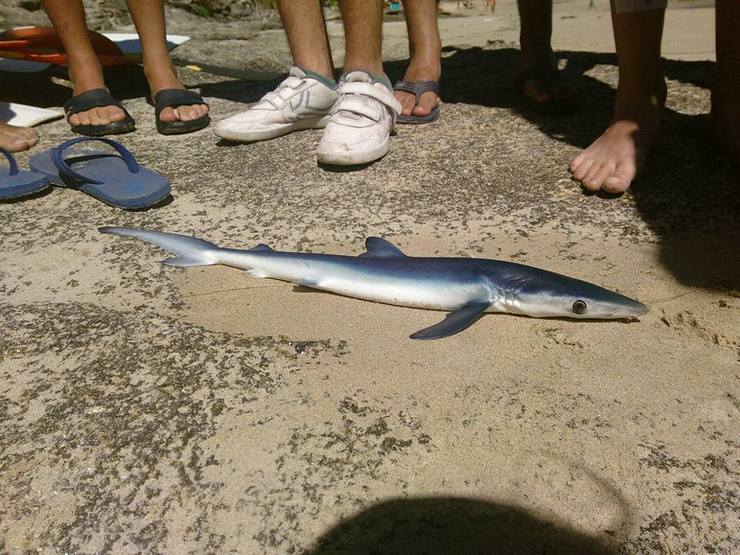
(427,102)
(597,175)
(114,113)
(188,113)
(576,161)
(168,115)
(31,139)
(29,135)
(99,116)
(582,170)
(537,91)
(620,180)
(407,101)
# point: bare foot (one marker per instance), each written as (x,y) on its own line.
(545,91)
(162,76)
(15,139)
(418,71)
(613,160)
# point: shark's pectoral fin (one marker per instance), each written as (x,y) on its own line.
(454,322)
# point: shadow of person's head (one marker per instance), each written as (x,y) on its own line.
(454,525)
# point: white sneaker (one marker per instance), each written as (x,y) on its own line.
(361,121)
(302,101)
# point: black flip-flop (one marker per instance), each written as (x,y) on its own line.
(98,98)
(172,98)
(554,106)
(417,88)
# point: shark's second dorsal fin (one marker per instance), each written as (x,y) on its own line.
(380,248)
(261,247)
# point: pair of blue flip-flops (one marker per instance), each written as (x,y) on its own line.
(116,178)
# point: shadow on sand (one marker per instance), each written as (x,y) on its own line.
(454,525)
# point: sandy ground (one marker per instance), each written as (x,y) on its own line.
(149,409)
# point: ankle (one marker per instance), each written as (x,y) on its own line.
(641,97)
(161,74)
(86,77)
(316,65)
(424,67)
(374,68)
(537,55)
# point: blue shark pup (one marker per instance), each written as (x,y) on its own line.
(466,287)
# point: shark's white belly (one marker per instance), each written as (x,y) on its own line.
(391,288)
(433,295)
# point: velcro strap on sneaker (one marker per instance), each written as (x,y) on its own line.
(274,99)
(292,81)
(358,105)
(381,94)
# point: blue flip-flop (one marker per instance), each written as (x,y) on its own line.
(116,178)
(18,183)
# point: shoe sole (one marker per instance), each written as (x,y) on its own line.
(248,136)
(353,158)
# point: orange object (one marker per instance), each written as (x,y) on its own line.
(42,44)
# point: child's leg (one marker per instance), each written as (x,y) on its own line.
(725,106)
(303,21)
(538,73)
(148,16)
(363,21)
(425,49)
(615,158)
(68,18)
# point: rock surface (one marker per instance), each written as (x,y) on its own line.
(149,409)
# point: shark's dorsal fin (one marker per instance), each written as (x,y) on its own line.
(261,247)
(380,248)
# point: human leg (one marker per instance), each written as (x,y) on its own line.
(68,19)
(425,49)
(303,100)
(725,107)
(614,160)
(365,113)
(303,21)
(148,17)
(538,78)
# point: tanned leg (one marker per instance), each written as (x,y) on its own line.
(148,16)
(614,160)
(425,49)
(68,18)
(535,34)
(725,106)
(303,21)
(363,21)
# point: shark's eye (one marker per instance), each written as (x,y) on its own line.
(579,307)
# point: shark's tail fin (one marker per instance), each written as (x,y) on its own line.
(188,251)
